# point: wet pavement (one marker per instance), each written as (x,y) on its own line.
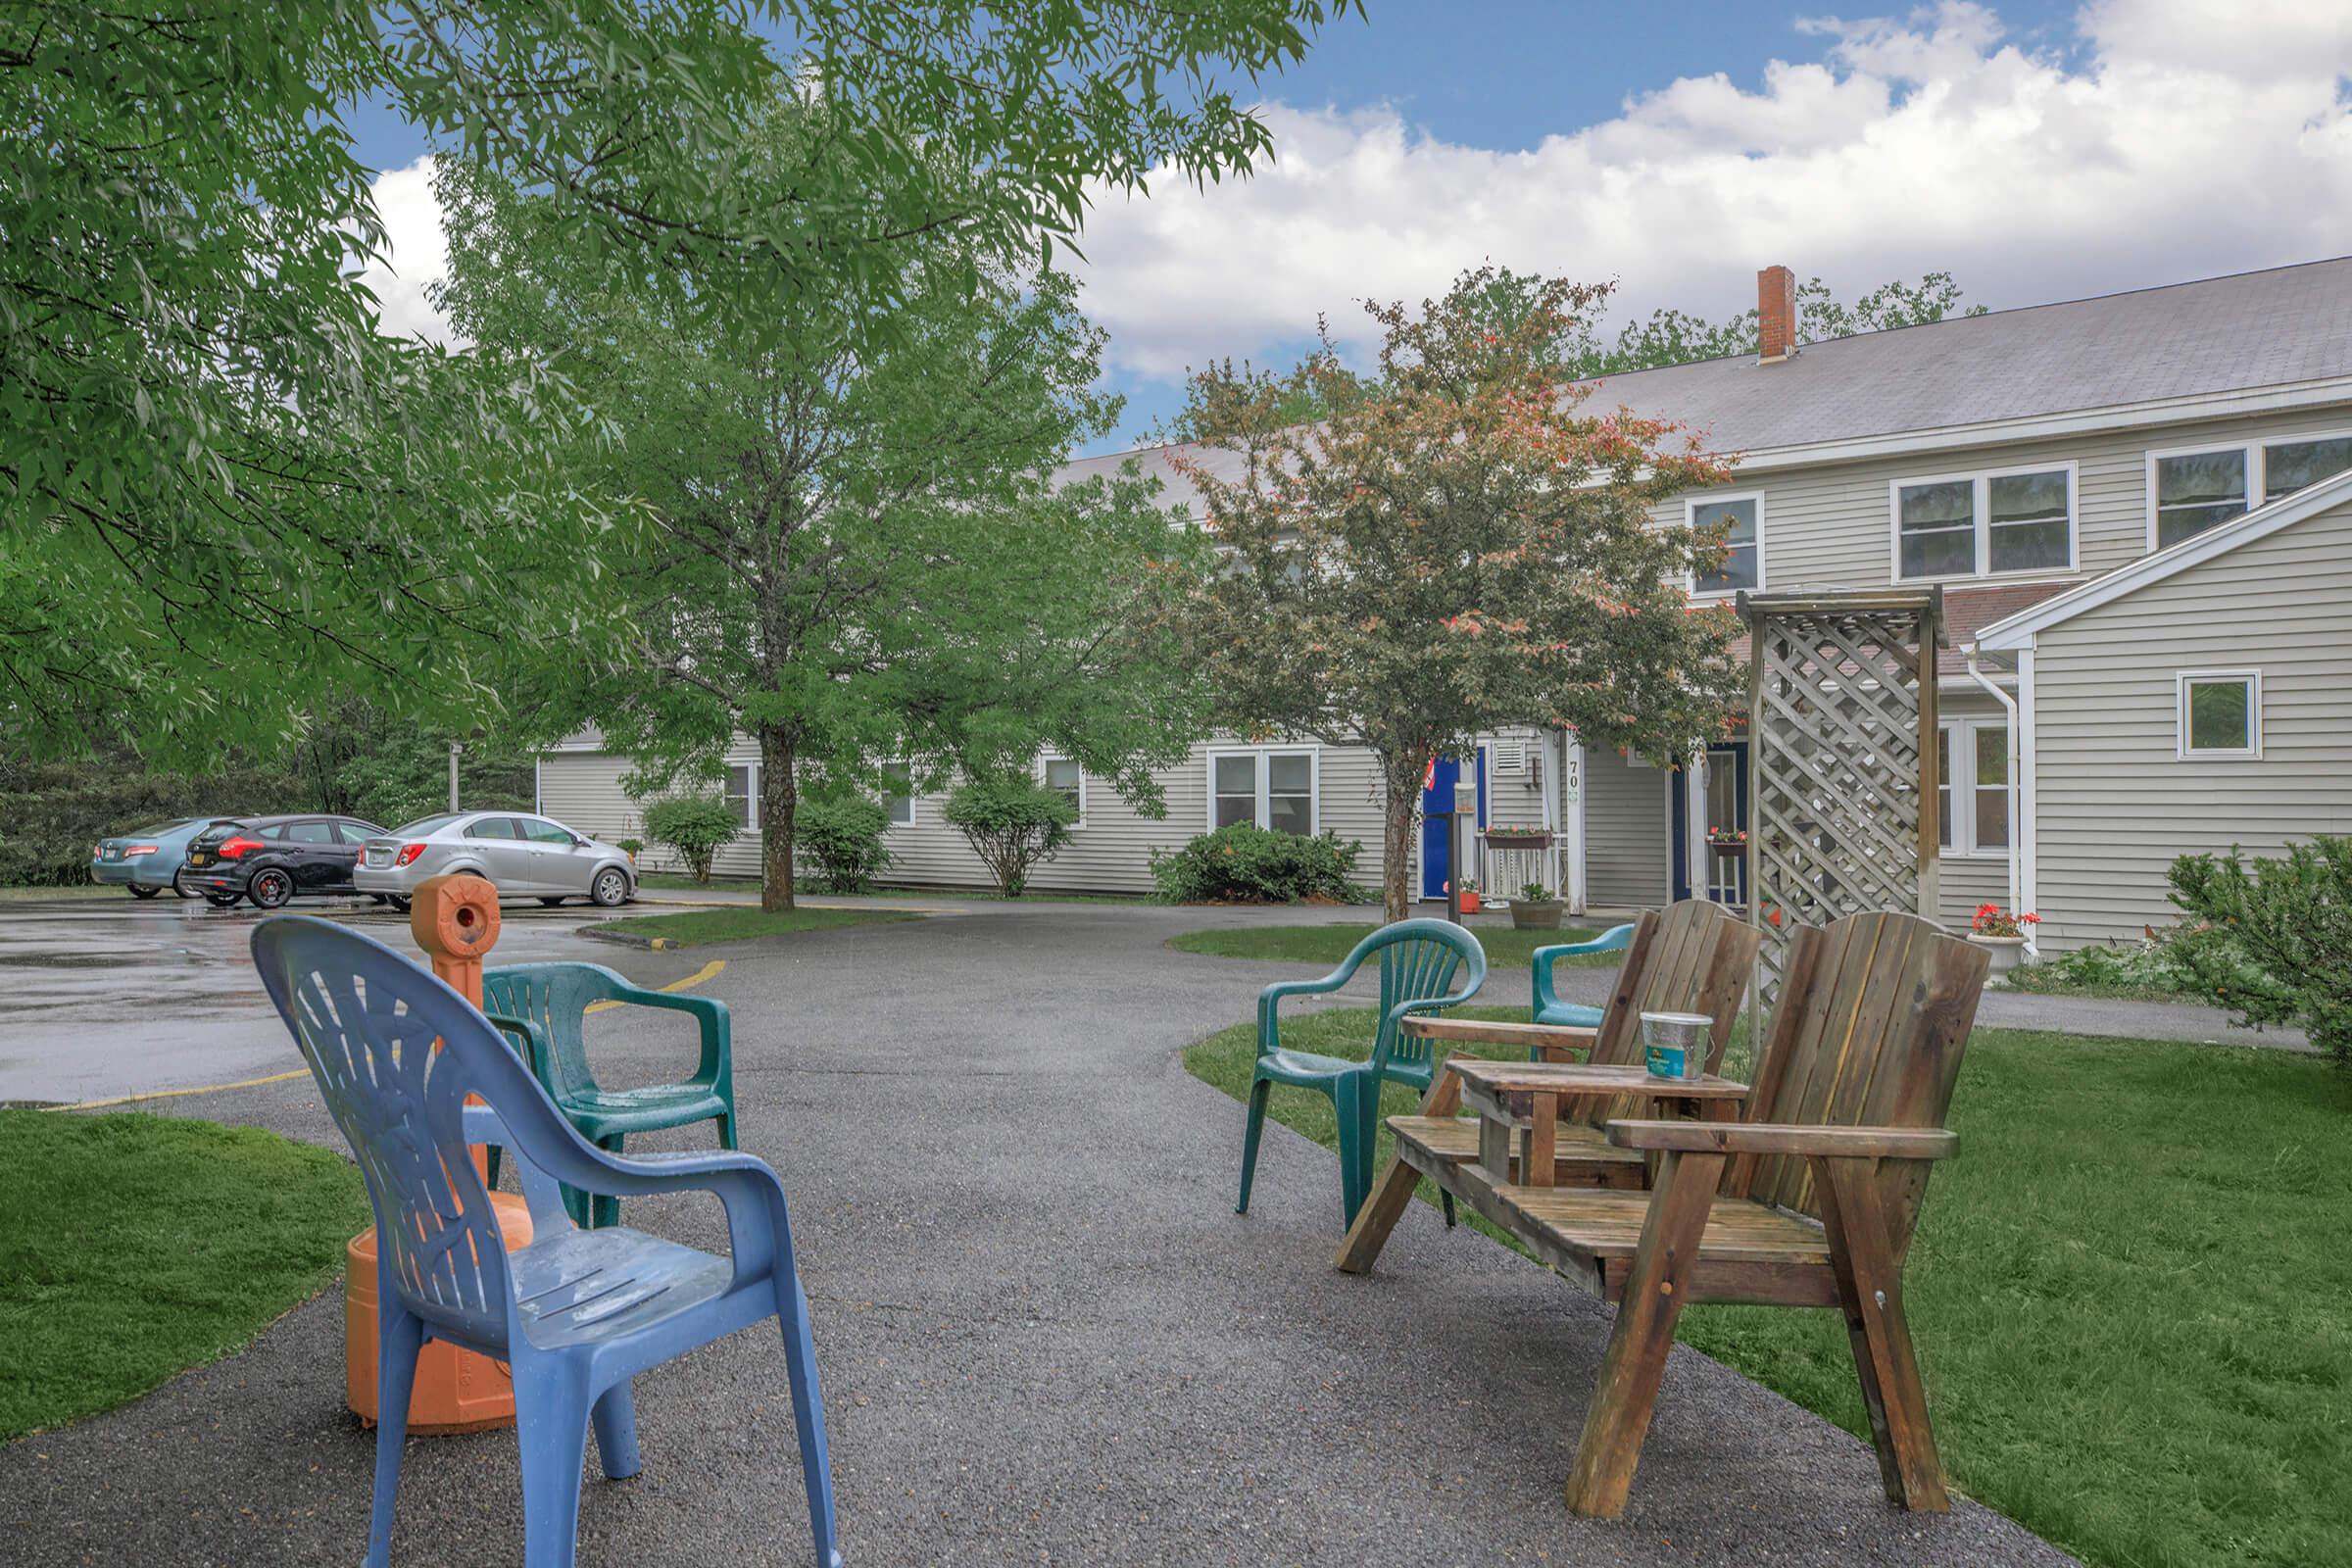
(100,998)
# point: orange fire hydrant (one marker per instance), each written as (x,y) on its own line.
(454,920)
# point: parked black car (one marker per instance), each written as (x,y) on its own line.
(272,858)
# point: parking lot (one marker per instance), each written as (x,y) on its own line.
(106,995)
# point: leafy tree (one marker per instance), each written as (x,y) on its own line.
(1013,823)
(219,489)
(1469,550)
(2276,943)
(858,557)
(694,828)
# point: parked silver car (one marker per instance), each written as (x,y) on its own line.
(525,856)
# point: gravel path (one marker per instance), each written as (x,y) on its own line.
(1045,1336)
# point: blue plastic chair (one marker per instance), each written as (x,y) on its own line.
(1418,960)
(1548,1007)
(577,1313)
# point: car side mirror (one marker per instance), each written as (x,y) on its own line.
(580,843)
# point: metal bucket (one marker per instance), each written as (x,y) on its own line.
(1674,1044)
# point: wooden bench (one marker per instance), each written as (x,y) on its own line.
(1690,957)
(1809,1199)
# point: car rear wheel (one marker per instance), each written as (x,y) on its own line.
(140,889)
(222,900)
(610,890)
(270,888)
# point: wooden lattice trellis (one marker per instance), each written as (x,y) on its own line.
(1842,759)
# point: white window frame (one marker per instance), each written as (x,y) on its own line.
(2183,751)
(889,819)
(2256,452)
(1314,778)
(1961,736)
(1716,498)
(750,793)
(1981,504)
(1045,781)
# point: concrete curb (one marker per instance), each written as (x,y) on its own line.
(624,939)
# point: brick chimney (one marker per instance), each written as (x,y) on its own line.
(1776,314)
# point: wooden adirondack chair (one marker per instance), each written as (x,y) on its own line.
(1693,957)
(1809,1200)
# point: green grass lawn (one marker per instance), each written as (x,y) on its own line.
(1506,948)
(672,882)
(79,890)
(134,1245)
(692,928)
(2132,1292)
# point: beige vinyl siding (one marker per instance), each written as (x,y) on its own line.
(1833,525)
(2116,804)
(1111,852)
(1629,854)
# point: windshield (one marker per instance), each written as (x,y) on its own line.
(425,824)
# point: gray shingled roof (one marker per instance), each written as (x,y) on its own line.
(2216,335)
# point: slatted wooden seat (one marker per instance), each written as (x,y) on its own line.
(1809,1200)
(1693,957)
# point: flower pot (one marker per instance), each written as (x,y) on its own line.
(2006,952)
(1536,914)
(1727,851)
(1470,904)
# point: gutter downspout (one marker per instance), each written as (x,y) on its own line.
(2017,808)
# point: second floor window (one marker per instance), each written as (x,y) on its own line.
(2190,492)
(1981,524)
(1742,520)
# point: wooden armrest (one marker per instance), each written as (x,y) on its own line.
(1476,1032)
(1765,1138)
(1586,1078)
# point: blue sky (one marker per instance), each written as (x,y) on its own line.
(2038,151)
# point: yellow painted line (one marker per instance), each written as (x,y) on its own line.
(691,981)
(687,984)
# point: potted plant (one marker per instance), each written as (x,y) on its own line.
(1536,908)
(1470,904)
(1728,842)
(1517,838)
(2002,934)
(630,846)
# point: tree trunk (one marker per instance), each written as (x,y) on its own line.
(1400,811)
(779,798)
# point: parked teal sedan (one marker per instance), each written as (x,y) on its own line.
(151,860)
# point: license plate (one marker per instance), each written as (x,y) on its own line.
(199,859)
(111,853)
(380,857)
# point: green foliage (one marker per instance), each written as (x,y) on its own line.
(223,488)
(1012,824)
(861,558)
(1245,863)
(845,838)
(1469,551)
(2277,945)
(694,828)
(1534,892)
(2150,968)
(134,1247)
(629,845)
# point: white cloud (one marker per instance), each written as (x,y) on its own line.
(416,253)
(2179,138)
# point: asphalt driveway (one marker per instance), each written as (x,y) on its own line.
(1045,1334)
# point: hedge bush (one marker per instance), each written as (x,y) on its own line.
(2276,944)
(1245,863)
(1013,824)
(844,841)
(694,828)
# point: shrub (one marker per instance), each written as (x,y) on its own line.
(2277,946)
(842,840)
(2148,968)
(1012,824)
(694,828)
(1245,863)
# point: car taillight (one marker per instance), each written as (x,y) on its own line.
(408,852)
(140,849)
(96,849)
(234,849)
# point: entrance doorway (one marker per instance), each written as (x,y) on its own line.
(1437,855)
(1715,803)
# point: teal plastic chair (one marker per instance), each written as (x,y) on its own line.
(1418,960)
(548,1004)
(1548,1007)
(574,1315)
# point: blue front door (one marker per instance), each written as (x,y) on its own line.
(1436,857)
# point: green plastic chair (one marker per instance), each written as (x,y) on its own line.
(1418,960)
(547,1004)
(1548,1006)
